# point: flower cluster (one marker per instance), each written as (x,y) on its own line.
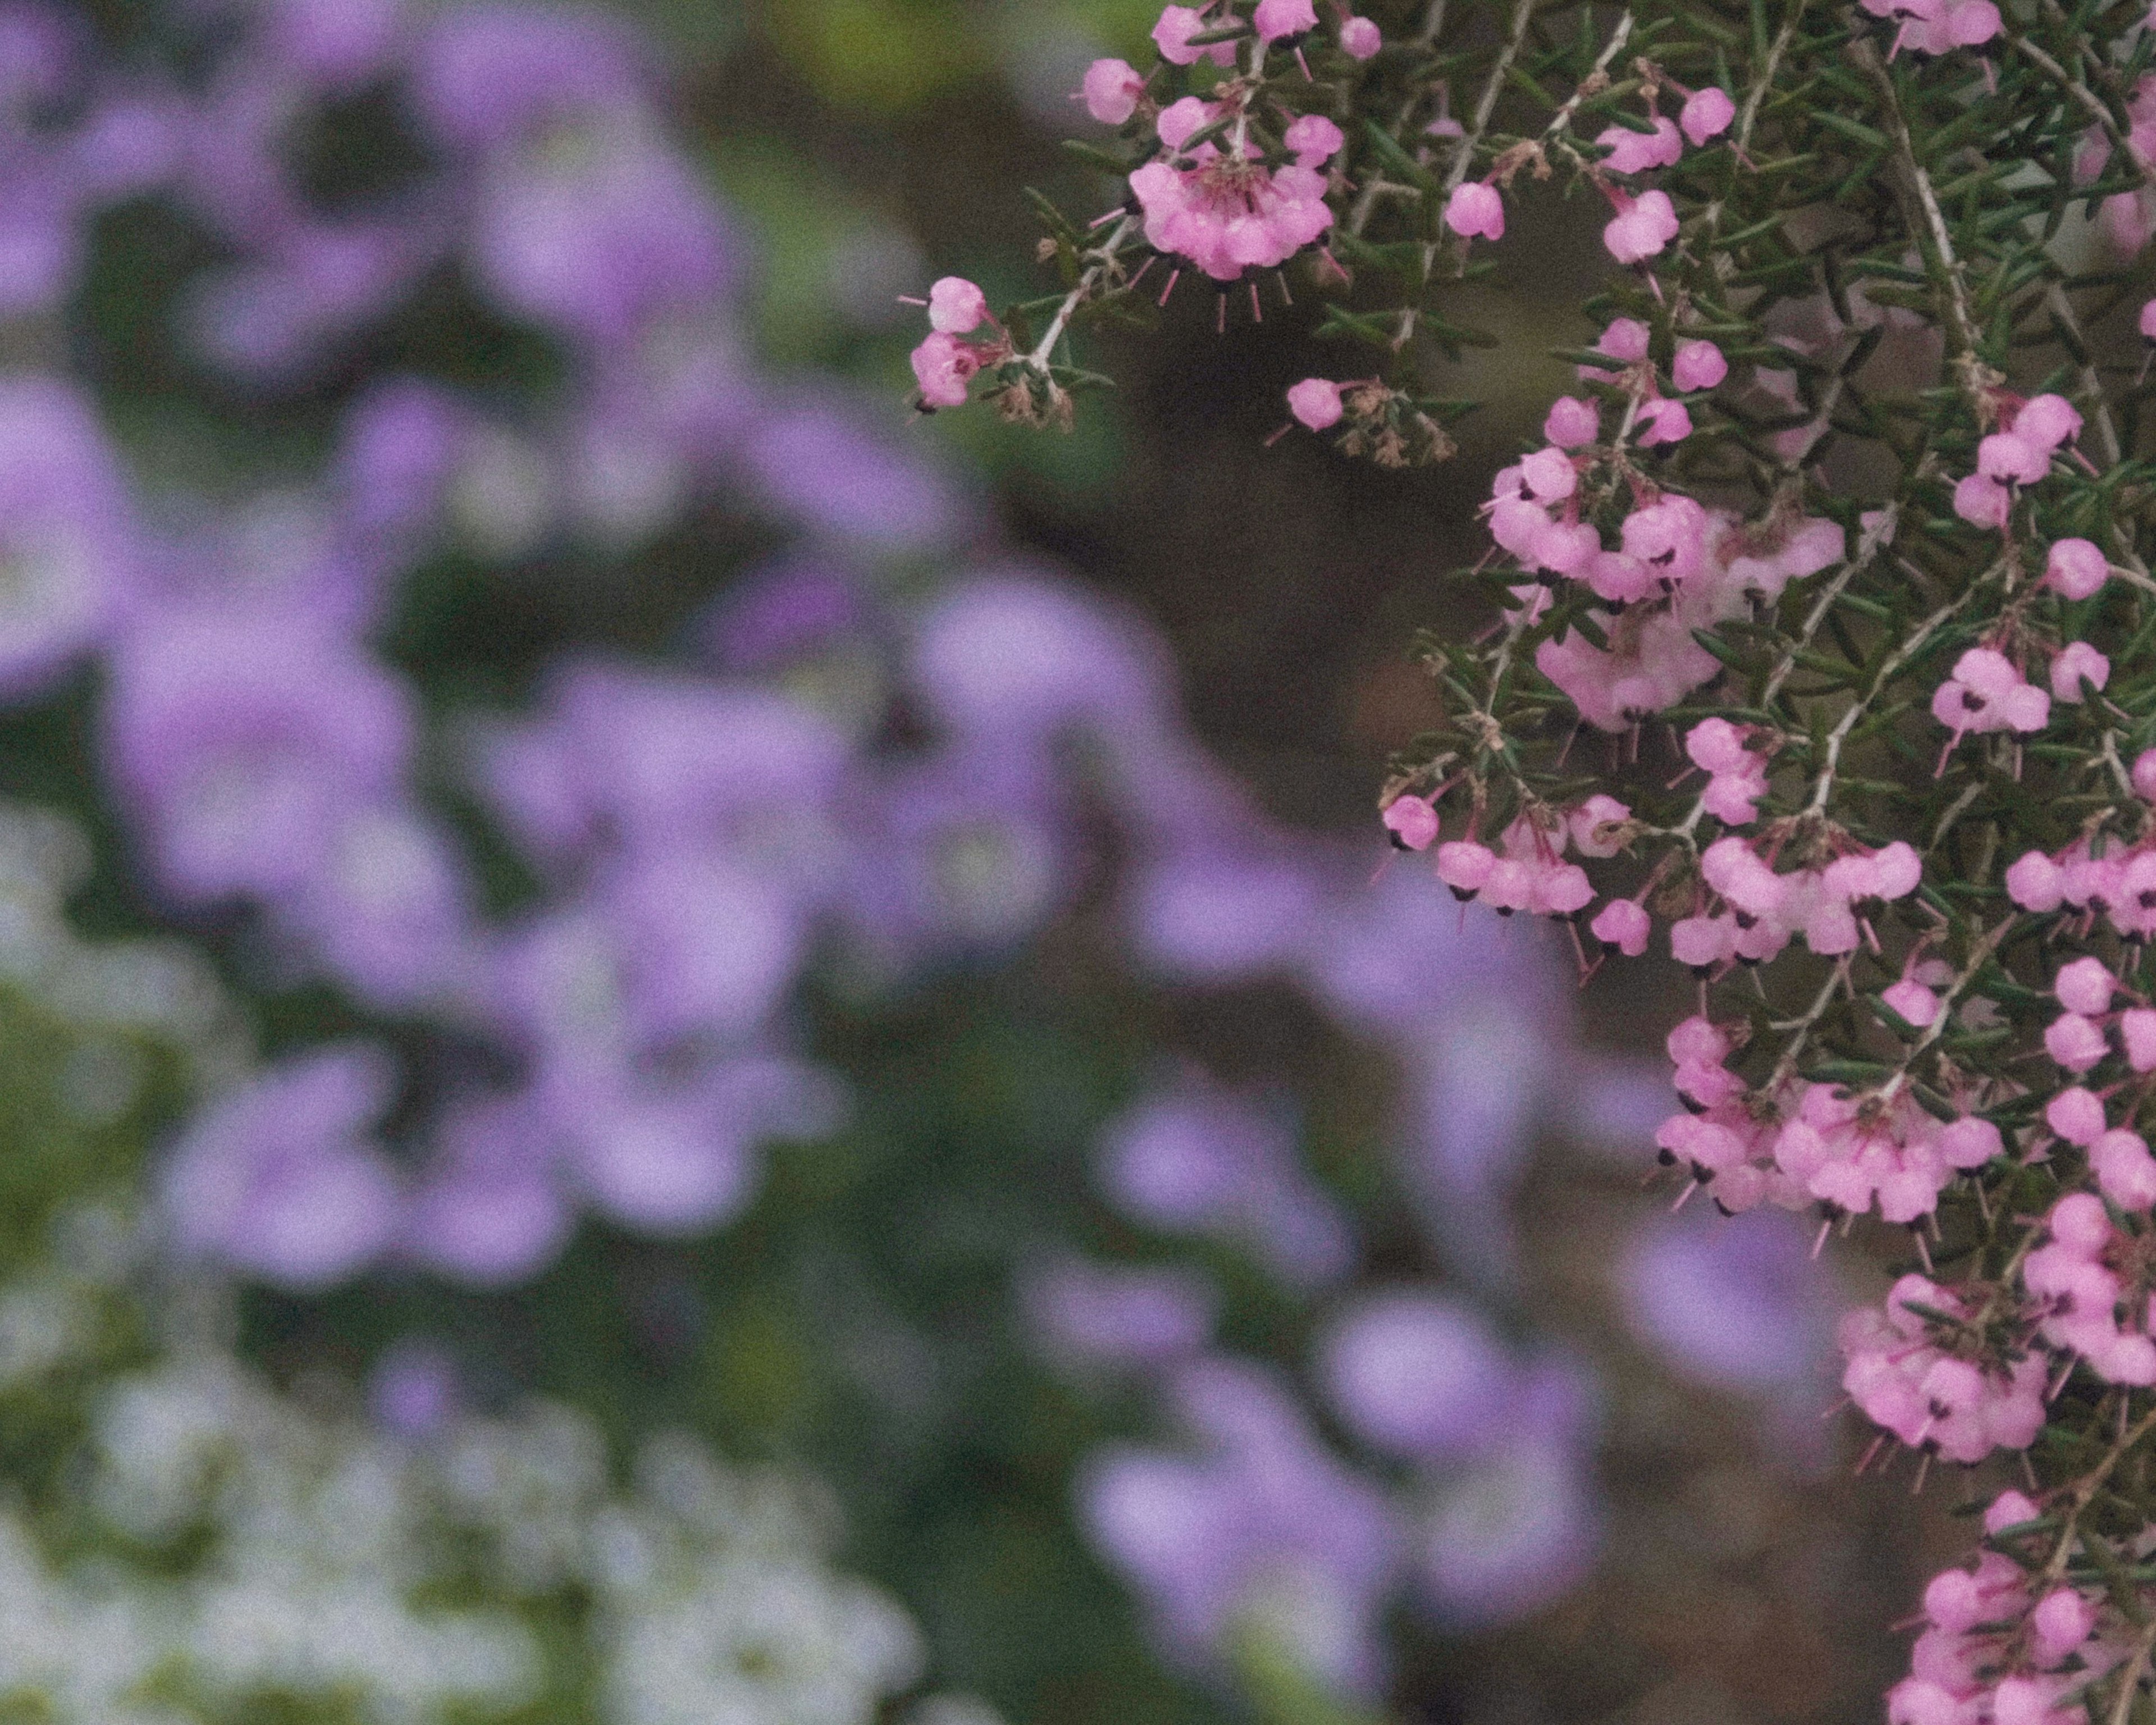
(1842,537)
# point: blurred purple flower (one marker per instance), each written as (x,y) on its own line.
(413,1392)
(1735,1303)
(333,44)
(489,76)
(1419,1376)
(1192,1160)
(489,1210)
(241,747)
(1260,1530)
(388,909)
(66,531)
(815,461)
(279,1180)
(1113,1317)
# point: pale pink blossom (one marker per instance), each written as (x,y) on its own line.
(2076,568)
(1986,693)
(1275,18)
(1316,403)
(1112,89)
(1360,39)
(1475,210)
(1313,140)
(2078,662)
(943,365)
(1641,229)
(1572,422)
(1171,36)
(956,307)
(1698,365)
(1706,114)
(1634,153)
(1412,822)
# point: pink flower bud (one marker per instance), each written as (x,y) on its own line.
(1970,1142)
(1662,420)
(2149,321)
(1700,943)
(1112,89)
(2046,421)
(1171,37)
(1641,229)
(1550,474)
(2075,1042)
(1178,120)
(1316,403)
(2084,986)
(2137,1029)
(2004,456)
(1572,422)
(2009,1509)
(1314,139)
(1912,1002)
(943,365)
(1412,822)
(1475,209)
(2076,1115)
(1464,865)
(2144,775)
(2062,1620)
(1360,39)
(1699,365)
(1982,502)
(2075,567)
(1635,152)
(2122,1166)
(2035,882)
(956,306)
(1623,924)
(1275,18)
(2077,663)
(1707,115)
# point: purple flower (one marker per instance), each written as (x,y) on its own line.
(1734,1303)
(278,1180)
(413,1392)
(241,745)
(597,230)
(1259,1531)
(487,76)
(1222,913)
(1190,1160)
(1420,1376)
(1118,1315)
(814,461)
(272,320)
(1516,1532)
(397,453)
(1018,658)
(771,618)
(333,44)
(65,532)
(388,909)
(681,1158)
(489,1210)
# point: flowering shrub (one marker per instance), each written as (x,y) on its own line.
(1820,641)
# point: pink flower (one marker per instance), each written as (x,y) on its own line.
(1572,422)
(1707,115)
(2122,1166)
(2035,883)
(1550,474)
(2084,986)
(1227,214)
(1314,140)
(1275,18)
(1983,502)
(2004,456)
(956,306)
(2074,1042)
(1663,419)
(1913,1004)
(1316,403)
(1360,39)
(1171,36)
(1623,926)
(1179,120)
(1112,89)
(1625,340)
(2046,421)
(2078,661)
(943,365)
(2144,775)
(1634,152)
(2076,568)
(2076,1115)
(1412,822)
(1642,228)
(1475,209)
(1986,693)
(1699,365)
(2149,321)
